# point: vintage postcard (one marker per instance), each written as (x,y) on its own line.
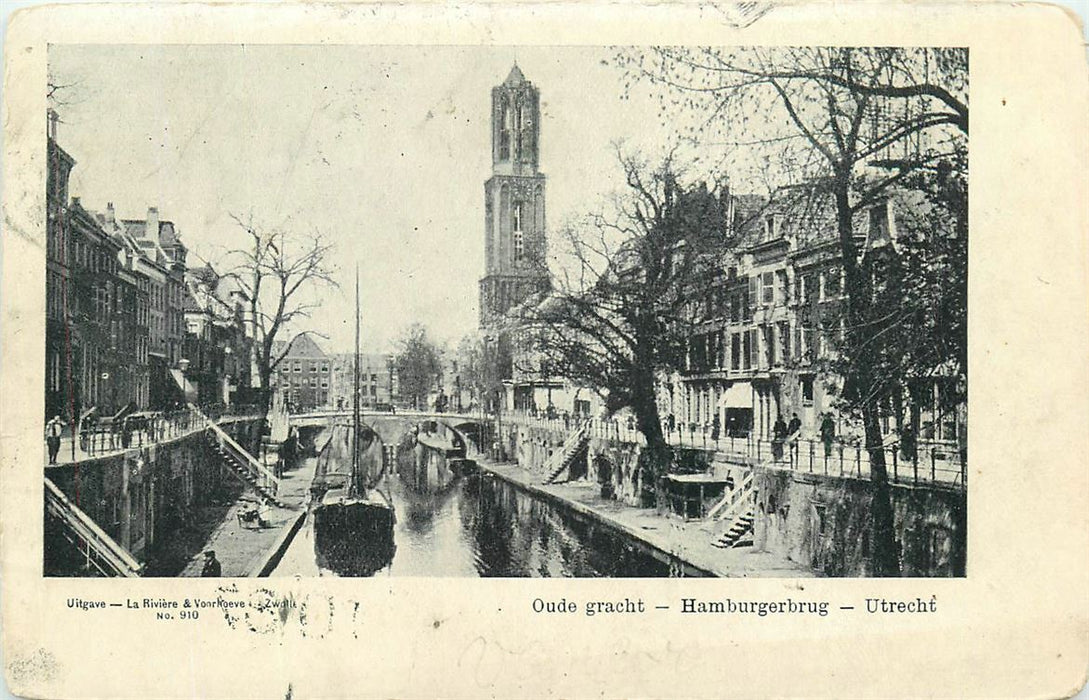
(331,330)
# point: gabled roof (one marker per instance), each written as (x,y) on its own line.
(190,304)
(303,346)
(135,227)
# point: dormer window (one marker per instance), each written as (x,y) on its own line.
(770,228)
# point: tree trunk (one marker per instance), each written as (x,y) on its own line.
(885,551)
(655,458)
(885,558)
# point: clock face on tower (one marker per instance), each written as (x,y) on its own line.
(514,201)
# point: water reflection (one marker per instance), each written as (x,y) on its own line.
(478,525)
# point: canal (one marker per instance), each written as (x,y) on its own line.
(479,525)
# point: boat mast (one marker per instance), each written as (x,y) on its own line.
(355,392)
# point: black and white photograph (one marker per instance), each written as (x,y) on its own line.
(506,311)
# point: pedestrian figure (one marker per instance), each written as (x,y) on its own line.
(828,434)
(779,433)
(716,426)
(211,569)
(907,443)
(53,430)
(794,433)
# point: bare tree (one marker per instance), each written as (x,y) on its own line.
(276,271)
(620,314)
(858,121)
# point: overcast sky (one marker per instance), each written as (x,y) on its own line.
(385,149)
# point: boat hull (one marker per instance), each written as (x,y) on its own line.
(354,537)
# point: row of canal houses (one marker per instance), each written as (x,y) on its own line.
(765,321)
(771,313)
(129,325)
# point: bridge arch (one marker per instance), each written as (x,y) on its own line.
(391,426)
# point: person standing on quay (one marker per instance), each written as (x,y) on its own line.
(211,569)
(828,434)
(779,433)
(794,433)
(53,430)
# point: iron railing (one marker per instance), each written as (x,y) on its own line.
(141,430)
(928,462)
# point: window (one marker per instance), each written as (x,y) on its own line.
(807,390)
(784,343)
(769,227)
(519,246)
(781,296)
(832,283)
(504,131)
(324,383)
(735,351)
(519,238)
(747,351)
(769,345)
(768,295)
(324,366)
(314,382)
(298,367)
(374,377)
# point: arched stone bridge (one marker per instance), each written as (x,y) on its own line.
(392,426)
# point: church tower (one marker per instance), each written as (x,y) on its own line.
(514,201)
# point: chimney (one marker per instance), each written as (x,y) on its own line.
(52,116)
(109,213)
(151,228)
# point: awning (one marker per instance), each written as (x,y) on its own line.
(738,395)
(185,385)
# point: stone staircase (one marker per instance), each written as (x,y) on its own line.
(239,468)
(563,458)
(240,462)
(97,550)
(736,511)
(739,533)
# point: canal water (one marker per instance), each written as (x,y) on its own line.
(478,525)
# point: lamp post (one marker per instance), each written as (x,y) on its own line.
(227,374)
(183,366)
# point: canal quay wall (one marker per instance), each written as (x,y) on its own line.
(818,522)
(141,497)
(532,447)
(825,523)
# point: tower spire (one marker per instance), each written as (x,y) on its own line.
(514,200)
